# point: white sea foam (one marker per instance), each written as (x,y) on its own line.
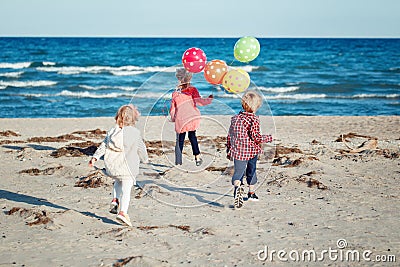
(280,96)
(104,87)
(292,83)
(18,65)
(117,71)
(127,73)
(88,87)
(295,96)
(376,96)
(247,68)
(48,63)
(86,94)
(27,83)
(11,74)
(35,95)
(227,95)
(278,89)
(152,95)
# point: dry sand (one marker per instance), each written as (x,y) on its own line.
(312,193)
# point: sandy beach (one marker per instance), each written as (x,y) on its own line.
(326,183)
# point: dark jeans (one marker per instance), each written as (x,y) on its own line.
(245,166)
(180,140)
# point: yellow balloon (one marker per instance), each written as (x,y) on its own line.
(236,81)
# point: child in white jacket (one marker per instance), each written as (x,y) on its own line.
(123,149)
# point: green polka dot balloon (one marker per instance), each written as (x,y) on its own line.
(246,49)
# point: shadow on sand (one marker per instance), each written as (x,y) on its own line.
(4,194)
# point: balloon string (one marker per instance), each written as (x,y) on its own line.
(214,88)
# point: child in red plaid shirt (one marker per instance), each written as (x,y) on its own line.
(243,146)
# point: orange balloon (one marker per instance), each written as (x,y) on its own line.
(215,71)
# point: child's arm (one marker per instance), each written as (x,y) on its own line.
(142,151)
(99,152)
(255,133)
(172,110)
(199,100)
(228,145)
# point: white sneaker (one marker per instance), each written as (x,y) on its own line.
(124,219)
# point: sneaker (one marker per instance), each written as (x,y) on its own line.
(238,197)
(199,162)
(114,207)
(124,219)
(252,197)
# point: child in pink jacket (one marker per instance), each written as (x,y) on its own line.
(186,115)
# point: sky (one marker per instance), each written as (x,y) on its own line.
(202,18)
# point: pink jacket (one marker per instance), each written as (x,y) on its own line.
(184,111)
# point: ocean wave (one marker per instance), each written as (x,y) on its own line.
(295,96)
(127,73)
(279,96)
(278,89)
(117,71)
(160,95)
(11,74)
(27,83)
(235,96)
(376,96)
(37,64)
(34,95)
(153,95)
(311,96)
(18,65)
(23,65)
(395,69)
(247,68)
(86,94)
(105,87)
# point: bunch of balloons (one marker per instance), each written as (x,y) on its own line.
(217,72)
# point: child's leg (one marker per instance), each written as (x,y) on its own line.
(180,139)
(117,189)
(126,195)
(194,143)
(239,169)
(116,196)
(251,175)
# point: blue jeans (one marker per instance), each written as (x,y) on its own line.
(245,166)
(180,140)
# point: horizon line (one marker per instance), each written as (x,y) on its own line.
(200,36)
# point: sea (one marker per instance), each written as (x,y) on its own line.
(43,77)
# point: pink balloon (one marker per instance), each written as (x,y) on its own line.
(194,59)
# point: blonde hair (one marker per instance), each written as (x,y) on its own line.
(184,77)
(127,115)
(251,101)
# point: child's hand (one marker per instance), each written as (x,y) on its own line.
(93,160)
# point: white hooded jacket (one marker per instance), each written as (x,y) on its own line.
(123,149)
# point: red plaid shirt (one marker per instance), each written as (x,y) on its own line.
(244,137)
